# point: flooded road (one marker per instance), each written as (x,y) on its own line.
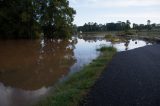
(30,68)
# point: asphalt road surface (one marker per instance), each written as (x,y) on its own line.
(131,79)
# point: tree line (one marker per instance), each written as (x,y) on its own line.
(119,26)
(30,18)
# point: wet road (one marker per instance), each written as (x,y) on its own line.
(131,79)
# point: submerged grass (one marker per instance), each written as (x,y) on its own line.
(72,91)
(104,48)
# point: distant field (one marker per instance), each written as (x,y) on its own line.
(149,35)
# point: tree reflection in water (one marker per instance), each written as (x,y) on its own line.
(30,66)
(29,69)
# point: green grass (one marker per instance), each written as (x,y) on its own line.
(72,91)
(152,35)
(104,48)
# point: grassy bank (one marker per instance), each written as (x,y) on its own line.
(144,34)
(72,91)
(147,35)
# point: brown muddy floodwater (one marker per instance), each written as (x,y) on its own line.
(30,68)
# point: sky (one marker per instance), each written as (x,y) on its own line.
(105,11)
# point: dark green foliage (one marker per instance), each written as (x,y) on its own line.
(148,27)
(94,27)
(17,19)
(148,24)
(119,26)
(127,26)
(29,18)
(56,18)
(104,48)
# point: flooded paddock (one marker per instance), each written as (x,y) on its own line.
(29,69)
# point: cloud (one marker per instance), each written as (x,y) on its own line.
(114,3)
(127,3)
(129,15)
(118,10)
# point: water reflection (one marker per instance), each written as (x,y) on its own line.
(29,66)
(132,44)
(29,69)
(126,44)
(85,52)
(18,97)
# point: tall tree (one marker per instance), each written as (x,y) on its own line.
(148,24)
(27,18)
(127,25)
(56,18)
(17,20)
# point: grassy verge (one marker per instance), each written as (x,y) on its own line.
(72,91)
(111,35)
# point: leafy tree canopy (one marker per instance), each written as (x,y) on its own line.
(30,18)
(118,26)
